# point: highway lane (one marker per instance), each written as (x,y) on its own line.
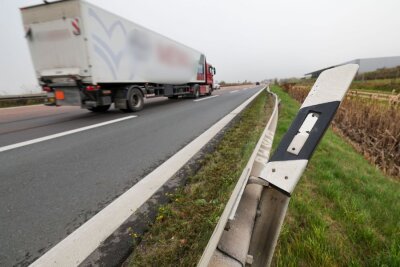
(49,189)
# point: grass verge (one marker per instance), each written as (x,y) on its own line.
(383,85)
(20,102)
(377,85)
(344,211)
(183,226)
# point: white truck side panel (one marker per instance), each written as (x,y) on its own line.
(121,51)
(107,48)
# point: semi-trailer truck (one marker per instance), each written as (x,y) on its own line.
(86,56)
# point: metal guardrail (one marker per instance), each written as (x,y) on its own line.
(255,165)
(22,100)
(249,227)
(18,97)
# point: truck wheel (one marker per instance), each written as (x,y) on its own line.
(210,93)
(135,100)
(196,92)
(100,108)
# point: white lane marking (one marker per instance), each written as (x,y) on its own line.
(45,138)
(27,106)
(76,247)
(235,91)
(205,98)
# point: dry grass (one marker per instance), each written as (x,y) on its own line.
(374,127)
(371,125)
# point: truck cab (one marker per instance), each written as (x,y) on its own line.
(210,72)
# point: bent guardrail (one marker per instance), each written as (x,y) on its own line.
(249,227)
(255,165)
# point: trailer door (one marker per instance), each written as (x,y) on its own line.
(55,38)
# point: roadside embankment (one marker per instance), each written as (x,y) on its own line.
(344,210)
(183,226)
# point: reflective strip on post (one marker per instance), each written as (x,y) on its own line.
(290,159)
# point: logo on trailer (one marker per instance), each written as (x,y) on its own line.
(75,25)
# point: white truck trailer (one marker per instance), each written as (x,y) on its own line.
(86,56)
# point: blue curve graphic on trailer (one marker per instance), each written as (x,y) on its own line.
(106,60)
(109,30)
(116,57)
(102,49)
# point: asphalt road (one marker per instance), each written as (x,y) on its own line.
(48,189)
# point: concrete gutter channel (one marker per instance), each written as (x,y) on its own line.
(104,240)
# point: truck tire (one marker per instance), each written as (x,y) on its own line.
(135,100)
(196,91)
(210,93)
(100,108)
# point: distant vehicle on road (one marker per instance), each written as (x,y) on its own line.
(85,56)
(216,86)
(257,83)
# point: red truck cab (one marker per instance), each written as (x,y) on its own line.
(207,88)
(210,74)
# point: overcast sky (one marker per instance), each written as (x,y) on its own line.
(243,39)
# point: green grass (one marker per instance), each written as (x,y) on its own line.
(384,85)
(383,73)
(344,212)
(183,227)
(20,102)
(377,85)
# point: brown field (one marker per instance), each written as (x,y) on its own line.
(371,124)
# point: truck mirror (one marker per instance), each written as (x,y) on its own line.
(215,72)
(28,33)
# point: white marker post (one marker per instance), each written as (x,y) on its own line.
(292,155)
